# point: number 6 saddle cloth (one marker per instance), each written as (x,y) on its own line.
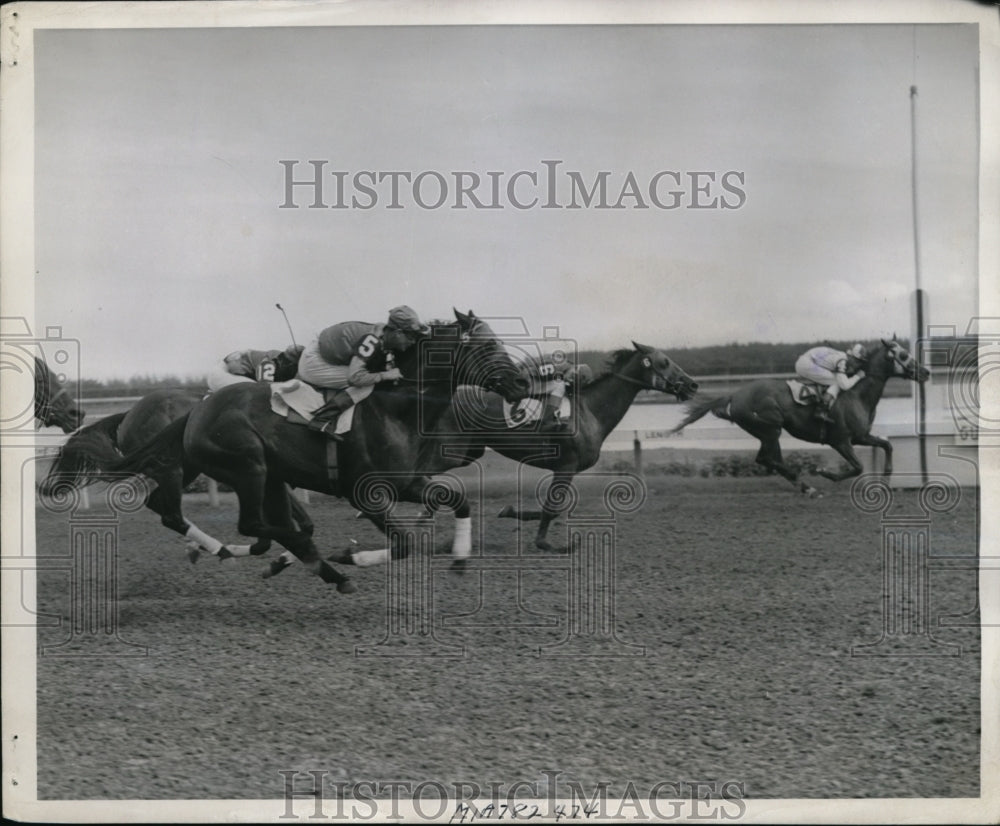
(529,411)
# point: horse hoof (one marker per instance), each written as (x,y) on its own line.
(543,545)
(275,568)
(506,512)
(459,566)
(344,555)
(193,554)
(346,587)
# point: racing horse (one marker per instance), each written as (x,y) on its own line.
(92,451)
(765,407)
(598,408)
(53,404)
(236,438)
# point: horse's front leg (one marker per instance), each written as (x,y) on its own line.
(433,495)
(877,441)
(856,468)
(558,498)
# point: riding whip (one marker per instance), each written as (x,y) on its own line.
(287,324)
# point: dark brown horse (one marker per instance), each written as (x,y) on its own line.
(234,437)
(95,449)
(476,421)
(764,408)
(54,407)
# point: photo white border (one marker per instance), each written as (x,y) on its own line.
(20,21)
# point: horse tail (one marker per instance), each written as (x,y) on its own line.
(719,405)
(165,449)
(85,454)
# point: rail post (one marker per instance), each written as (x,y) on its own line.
(637,453)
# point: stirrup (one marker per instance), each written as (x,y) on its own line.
(327,427)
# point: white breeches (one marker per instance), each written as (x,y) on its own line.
(220,377)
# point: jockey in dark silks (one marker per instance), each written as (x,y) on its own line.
(353,357)
(256,365)
(553,377)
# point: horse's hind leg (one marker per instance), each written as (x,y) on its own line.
(770,457)
(255,493)
(165,501)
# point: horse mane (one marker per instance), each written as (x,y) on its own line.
(615,361)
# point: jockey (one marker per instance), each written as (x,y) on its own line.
(354,355)
(255,365)
(834,370)
(553,377)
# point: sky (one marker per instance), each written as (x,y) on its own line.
(161,243)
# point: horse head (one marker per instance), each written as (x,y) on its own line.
(484,362)
(53,405)
(660,372)
(893,360)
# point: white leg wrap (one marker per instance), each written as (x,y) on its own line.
(213,546)
(461,548)
(364,559)
(239,550)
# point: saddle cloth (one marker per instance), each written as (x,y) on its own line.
(529,410)
(295,400)
(805,393)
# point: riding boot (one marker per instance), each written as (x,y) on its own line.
(552,422)
(324,419)
(824,403)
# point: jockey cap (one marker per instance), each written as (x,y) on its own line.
(405,319)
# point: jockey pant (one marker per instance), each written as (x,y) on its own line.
(316,370)
(219,377)
(808,370)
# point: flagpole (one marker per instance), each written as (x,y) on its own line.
(919,293)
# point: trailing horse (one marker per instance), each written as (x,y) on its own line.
(765,407)
(53,404)
(236,438)
(90,454)
(597,410)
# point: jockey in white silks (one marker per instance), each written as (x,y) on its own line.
(834,370)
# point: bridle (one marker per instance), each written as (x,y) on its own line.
(657,382)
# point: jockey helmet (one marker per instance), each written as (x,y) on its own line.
(406,320)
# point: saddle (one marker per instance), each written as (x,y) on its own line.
(805,392)
(297,401)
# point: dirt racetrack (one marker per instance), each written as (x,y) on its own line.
(736,608)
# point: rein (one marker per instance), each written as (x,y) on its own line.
(670,386)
